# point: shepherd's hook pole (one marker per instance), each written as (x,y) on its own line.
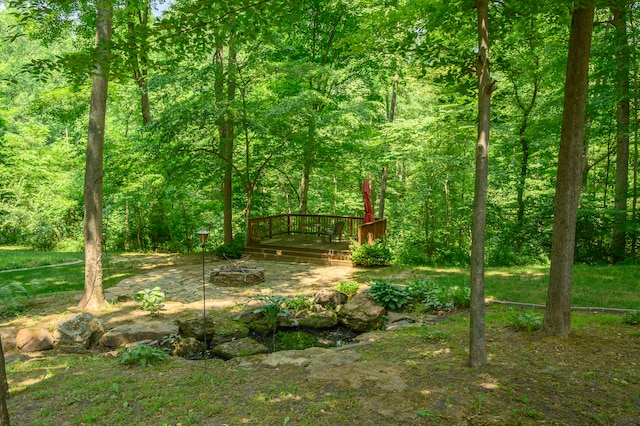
(203,241)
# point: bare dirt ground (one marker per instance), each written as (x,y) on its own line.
(414,376)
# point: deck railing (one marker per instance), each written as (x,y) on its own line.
(262,228)
(369,232)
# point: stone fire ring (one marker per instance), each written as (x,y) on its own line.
(237,276)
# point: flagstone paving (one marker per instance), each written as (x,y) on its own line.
(184,284)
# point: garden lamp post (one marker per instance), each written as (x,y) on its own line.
(203,235)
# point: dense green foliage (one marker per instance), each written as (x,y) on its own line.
(349,288)
(323,91)
(388,294)
(375,254)
(525,321)
(150,300)
(142,355)
(632,318)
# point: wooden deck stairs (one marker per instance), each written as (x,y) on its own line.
(298,255)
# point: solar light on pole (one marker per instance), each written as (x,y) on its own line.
(203,235)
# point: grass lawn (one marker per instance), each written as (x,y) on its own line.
(593,286)
(20,257)
(19,287)
(413,375)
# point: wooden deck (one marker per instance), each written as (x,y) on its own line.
(301,248)
(305,241)
(294,238)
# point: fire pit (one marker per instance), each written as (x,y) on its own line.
(237,276)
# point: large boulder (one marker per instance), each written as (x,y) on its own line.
(185,347)
(195,327)
(361,313)
(240,348)
(320,319)
(329,297)
(34,339)
(219,329)
(82,330)
(129,333)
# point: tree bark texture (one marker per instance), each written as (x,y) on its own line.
(93,296)
(557,314)
(385,169)
(477,339)
(138,20)
(4,390)
(306,167)
(623,56)
(227,140)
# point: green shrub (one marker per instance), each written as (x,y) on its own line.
(375,254)
(409,250)
(428,296)
(297,304)
(459,296)
(349,288)
(631,318)
(230,251)
(525,321)
(150,300)
(389,295)
(142,355)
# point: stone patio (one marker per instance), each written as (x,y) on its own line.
(184,284)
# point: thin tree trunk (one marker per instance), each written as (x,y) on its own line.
(93,296)
(623,56)
(127,226)
(383,192)
(228,141)
(524,161)
(306,168)
(385,169)
(187,231)
(634,166)
(138,61)
(557,316)
(477,339)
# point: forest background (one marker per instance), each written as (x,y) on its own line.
(220,112)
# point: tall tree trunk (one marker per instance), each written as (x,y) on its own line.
(225,134)
(557,316)
(526,109)
(383,192)
(385,169)
(93,296)
(306,167)
(623,56)
(4,391)
(227,139)
(634,165)
(138,54)
(477,340)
